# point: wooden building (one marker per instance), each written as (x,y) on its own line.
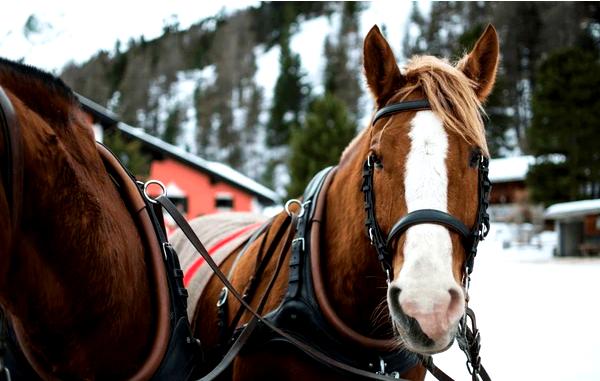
(578,226)
(509,201)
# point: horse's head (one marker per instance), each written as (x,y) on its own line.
(428,161)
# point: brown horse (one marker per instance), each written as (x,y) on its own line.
(425,162)
(85,294)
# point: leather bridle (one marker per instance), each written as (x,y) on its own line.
(12,161)
(469,237)
(468,337)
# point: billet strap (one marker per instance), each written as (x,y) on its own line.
(260,268)
(233,351)
(305,348)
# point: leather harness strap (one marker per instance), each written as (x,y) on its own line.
(420,104)
(12,170)
(428,216)
(245,336)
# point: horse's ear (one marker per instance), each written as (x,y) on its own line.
(381,70)
(481,63)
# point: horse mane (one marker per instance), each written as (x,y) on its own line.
(451,96)
(44,93)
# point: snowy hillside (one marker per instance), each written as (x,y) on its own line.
(51,39)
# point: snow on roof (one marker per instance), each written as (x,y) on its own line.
(217,169)
(572,209)
(510,168)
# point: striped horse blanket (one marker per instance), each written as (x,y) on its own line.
(221,234)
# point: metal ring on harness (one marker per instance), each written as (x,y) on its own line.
(290,203)
(162,188)
(223,297)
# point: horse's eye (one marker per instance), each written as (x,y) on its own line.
(474,157)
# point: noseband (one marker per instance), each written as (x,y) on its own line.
(469,237)
(12,162)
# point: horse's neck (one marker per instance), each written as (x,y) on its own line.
(351,272)
(76,282)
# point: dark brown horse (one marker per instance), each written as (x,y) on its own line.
(85,294)
(426,162)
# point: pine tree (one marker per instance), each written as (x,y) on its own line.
(565,128)
(172,129)
(327,131)
(414,41)
(342,76)
(288,96)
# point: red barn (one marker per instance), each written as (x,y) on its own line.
(196,185)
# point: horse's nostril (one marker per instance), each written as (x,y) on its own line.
(395,293)
(455,306)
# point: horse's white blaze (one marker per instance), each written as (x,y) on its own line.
(426,274)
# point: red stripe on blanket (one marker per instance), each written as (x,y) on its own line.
(189,274)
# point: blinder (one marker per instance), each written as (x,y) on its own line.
(470,237)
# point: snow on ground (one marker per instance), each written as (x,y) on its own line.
(538,315)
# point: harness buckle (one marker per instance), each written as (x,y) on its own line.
(381,371)
(299,239)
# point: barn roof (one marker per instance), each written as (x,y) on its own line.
(510,169)
(216,170)
(572,209)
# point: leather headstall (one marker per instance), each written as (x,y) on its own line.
(470,237)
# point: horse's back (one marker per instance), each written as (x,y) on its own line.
(221,234)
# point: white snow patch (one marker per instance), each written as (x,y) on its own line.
(308,42)
(572,209)
(510,168)
(267,64)
(536,313)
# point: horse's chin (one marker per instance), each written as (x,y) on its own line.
(416,341)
